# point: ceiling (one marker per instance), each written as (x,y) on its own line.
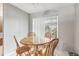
(38,7)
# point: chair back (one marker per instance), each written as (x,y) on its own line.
(46,49)
(1,41)
(31,34)
(48,35)
(50,47)
(17,44)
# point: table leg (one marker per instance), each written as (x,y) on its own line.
(36,50)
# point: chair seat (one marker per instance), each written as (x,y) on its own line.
(22,49)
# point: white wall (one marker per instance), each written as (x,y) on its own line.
(65,26)
(77,30)
(15,23)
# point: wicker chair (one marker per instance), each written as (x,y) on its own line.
(45,49)
(1,41)
(31,34)
(51,47)
(48,35)
(21,50)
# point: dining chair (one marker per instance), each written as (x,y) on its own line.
(1,41)
(17,44)
(48,35)
(23,50)
(1,46)
(46,49)
(51,47)
(31,34)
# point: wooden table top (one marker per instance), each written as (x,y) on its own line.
(29,41)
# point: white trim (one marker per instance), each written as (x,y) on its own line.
(57,26)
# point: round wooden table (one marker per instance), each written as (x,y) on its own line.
(35,45)
(25,41)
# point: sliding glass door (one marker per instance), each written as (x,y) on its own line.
(42,25)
